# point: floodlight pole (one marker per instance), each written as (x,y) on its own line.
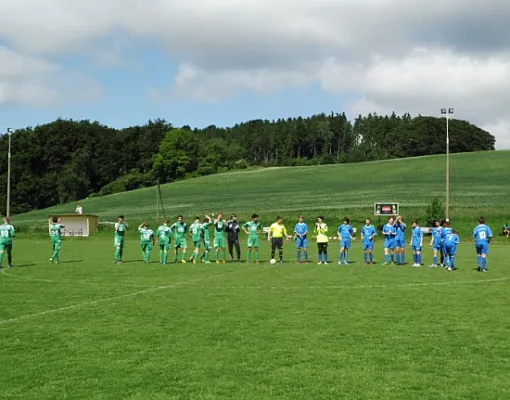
(447,112)
(8,211)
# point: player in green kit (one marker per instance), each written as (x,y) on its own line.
(196,229)
(220,226)
(207,239)
(120,229)
(252,229)
(146,241)
(56,238)
(179,230)
(164,234)
(6,235)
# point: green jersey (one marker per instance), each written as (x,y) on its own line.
(146,235)
(56,231)
(196,230)
(164,233)
(253,228)
(207,234)
(219,229)
(6,233)
(120,229)
(179,230)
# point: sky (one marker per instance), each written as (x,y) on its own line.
(219,62)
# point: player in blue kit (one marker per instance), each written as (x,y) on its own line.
(435,242)
(400,240)
(389,232)
(482,235)
(450,245)
(345,232)
(301,232)
(444,232)
(368,234)
(416,243)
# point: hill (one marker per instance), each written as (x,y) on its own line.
(479,185)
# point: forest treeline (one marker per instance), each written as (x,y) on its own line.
(68,160)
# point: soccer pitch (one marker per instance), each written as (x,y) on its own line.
(89,329)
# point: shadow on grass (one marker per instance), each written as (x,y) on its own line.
(70,261)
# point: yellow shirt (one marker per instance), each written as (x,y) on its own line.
(277,231)
(322,231)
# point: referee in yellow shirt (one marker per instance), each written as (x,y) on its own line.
(276,233)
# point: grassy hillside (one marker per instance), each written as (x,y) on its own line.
(479,185)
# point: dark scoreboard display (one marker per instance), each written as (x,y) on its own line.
(388,209)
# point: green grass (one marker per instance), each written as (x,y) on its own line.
(89,329)
(479,186)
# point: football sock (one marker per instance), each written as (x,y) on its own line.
(371,257)
(386,258)
(280,253)
(299,255)
(434,260)
(484,263)
(306,255)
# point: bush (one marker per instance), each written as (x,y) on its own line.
(435,210)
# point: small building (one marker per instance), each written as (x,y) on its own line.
(76,224)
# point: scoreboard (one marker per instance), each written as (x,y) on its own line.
(388,209)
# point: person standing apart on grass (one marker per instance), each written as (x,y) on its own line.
(79,209)
(164,234)
(444,232)
(368,234)
(56,238)
(196,229)
(233,229)
(179,230)
(389,232)
(451,242)
(220,225)
(301,232)
(345,234)
(252,229)
(400,240)
(6,235)
(482,235)
(416,243)
(118,240)
(435,242)
(275,235)
(147,241)
(207,239)
(321,230)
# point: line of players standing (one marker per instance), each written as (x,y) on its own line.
(444,240)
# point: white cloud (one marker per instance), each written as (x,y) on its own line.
(414,56)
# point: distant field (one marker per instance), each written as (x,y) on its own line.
(89,329)
(479,185)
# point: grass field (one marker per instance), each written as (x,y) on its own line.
(89,329)
(479,185)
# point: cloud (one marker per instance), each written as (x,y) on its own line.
(415,56)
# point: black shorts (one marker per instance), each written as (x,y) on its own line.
(276,243)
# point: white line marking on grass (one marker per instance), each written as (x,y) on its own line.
(23,279)
(110,299)
(352,286)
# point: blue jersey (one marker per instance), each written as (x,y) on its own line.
(368,232)
(345,232)
(417,237)
(301,229)
(444,232)
(389,232)
(400,228)
(481,234)
(437,234)
(451,239)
